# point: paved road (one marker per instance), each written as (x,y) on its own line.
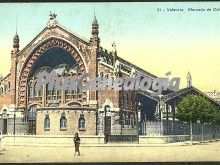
(169,152)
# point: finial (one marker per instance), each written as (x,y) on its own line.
(114,45)
(189,79)
(52,22)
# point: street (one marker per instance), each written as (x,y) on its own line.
(168,152)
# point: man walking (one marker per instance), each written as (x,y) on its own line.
(77,143)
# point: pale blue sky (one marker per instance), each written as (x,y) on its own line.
(157,41)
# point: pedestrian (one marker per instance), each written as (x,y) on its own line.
(77,143)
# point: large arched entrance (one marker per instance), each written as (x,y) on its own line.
(69,53)
(53,54)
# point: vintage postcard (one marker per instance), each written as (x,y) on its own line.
(109,82)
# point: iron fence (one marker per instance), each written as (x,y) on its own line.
(169,127)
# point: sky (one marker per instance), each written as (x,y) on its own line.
(159,42)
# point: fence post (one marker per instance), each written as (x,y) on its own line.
(191,132)
(202,132)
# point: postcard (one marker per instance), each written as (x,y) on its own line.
(109,82)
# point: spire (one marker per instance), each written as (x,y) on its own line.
(94,40)
(189,80)
(16,38)
(95,26)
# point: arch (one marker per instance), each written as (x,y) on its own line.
(42,47)
(74,103)
(37,104)
(42,69)
(62,68)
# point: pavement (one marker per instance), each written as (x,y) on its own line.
(174,152)
(184,143)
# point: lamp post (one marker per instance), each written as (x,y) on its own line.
(106,108)
(161,109)
(14,123)
(138,118)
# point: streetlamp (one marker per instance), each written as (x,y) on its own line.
(161,109)
(107,108)
(14,122)
(138,120)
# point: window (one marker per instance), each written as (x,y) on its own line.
(32,112)
(31,91)
(47,122)
(81,122)
(63,122)
(9,85)
(32,119)
(79,90)
(5,86)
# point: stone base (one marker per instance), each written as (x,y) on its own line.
(49,139)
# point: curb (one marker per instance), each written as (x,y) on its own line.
(99,145)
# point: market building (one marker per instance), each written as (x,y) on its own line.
(58,112)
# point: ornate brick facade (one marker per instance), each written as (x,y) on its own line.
(59,112)
(46,109)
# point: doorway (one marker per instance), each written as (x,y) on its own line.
(5,126)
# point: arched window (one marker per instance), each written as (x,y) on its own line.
(81,122)
(47,122)
(32,112)
(9,85)
(32,119)
(5,88)
(63,122)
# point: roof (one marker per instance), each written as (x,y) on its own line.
(5,77)
(173,95)
(74,35)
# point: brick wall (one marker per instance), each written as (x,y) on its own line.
(72,117)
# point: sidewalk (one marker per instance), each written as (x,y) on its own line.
(174,152)
(186,143)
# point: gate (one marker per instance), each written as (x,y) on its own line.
(125,135)
(123,138)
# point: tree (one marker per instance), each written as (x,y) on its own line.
(216,117)
(193,108)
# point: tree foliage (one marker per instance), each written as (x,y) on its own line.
(197,108)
